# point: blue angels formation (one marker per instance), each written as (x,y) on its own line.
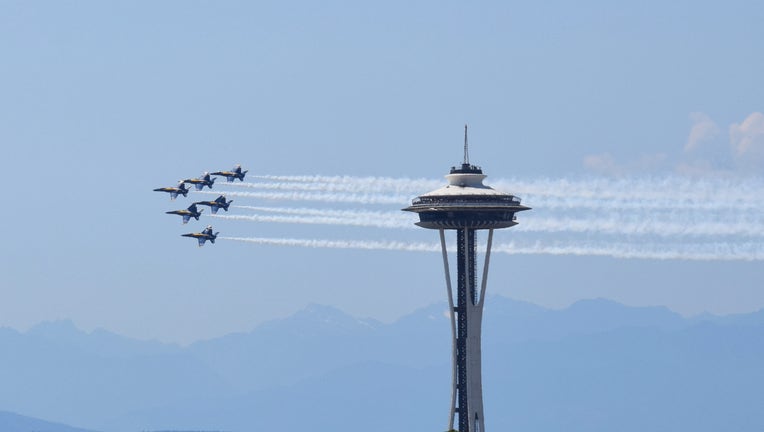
(192,211)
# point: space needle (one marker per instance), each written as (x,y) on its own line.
(466,205)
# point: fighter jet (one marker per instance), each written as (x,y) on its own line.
(219,202)
(201,182)
(203,236)
(191,212)
(174,191)
(230,176)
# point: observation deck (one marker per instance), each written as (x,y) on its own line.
(465,202)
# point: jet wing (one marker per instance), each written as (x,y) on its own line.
(186,217)
(173,195)
(199,186)
(214,209)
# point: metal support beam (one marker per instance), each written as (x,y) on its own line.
(451,314)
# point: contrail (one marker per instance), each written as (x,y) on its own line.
(680,226)
(669,188)
(682,251)
(386,184)
(316,196)
(328,212)
(324,220)
(657,251)
(340,244)
(722,218)
(536,202)
(683,189)
(350,184)
(668,192)
(665,225)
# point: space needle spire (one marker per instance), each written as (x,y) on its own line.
(466,149)
(466,205)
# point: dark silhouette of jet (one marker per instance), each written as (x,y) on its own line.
(203,236)
(187,214)
(230,176)
(201,182)
(219,203)
(174,191)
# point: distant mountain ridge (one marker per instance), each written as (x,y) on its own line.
(596,364)
(11,422)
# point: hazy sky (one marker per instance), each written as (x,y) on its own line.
(100,102)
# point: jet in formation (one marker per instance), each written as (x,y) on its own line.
(220,202)
(230,176)
(174,191)
(203,236)
(201,182)
(187,214)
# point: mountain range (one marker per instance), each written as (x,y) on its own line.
(596,365)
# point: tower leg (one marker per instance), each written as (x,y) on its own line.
(451,314)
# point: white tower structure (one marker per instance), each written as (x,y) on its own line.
(466,205)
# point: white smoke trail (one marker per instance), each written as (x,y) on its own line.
(683,189)
(665,225)
(329,212)
(324,220)
(679,227)
(651,193)
(682,251)
(340,244)
(316,196)
(658,251)
(359,185)
(723,217)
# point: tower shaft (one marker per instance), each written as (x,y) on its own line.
(466,319)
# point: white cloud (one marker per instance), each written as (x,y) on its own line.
(747,142)
(703,129)
(705,152)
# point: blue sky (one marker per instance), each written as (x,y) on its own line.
(104,101)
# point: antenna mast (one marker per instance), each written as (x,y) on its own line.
(466,153)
